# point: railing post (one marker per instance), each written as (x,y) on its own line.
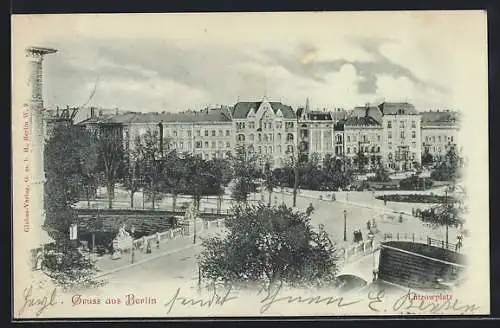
(442,243)
(397,236)
(413,237)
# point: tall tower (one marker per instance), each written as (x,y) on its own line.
(35,57)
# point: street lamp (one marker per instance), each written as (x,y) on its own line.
(345,225)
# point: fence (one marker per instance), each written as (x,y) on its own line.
(404,237)
(427,240)
(360,249)
(455,247)
(141,243)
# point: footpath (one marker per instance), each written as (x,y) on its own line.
(107,265)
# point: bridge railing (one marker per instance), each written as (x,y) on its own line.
(359,249)
(157,238)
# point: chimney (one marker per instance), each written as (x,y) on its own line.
(57,111)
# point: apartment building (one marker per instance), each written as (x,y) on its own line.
(439,132)
(266,128)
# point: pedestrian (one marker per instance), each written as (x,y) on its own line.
(400,218)
(157,240)
(459,242)
(132,256)
(368,225)
(385,201)
(148,247)
(310,209)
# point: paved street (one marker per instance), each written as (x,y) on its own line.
(179,261)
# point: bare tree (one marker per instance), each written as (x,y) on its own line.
(111,151)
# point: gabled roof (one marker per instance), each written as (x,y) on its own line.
(394,108)
(241,109)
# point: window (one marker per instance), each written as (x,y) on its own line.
(365,139)
(265,138)
(279,136)
(348,138)
(433,138)
(260,149)
(251,125)
(189,133)
(213,133)
(270,149)
(221,133)
(402,134)
(413,124)
(451,138)
(278,125)
(228,145)
(270,125)
(198,144)
(241,137)
(378,149)
(260,137)
(413,134)
(389,135)
(206,144)
(221,144)
(439,138)
(414,144)
(198,133)
(289,149)
(251,137)
(189,145)
(206,133)
(213,144)
(289,137)
(279,149)
(389,124)
(378,137)
(348,150)
(227,133)
(390,156)
(270,137)
(175,133)
(402,124)
(181,145)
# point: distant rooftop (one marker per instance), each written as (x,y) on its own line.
(206,115)
(394,108)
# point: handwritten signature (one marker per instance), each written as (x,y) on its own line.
(273,297)
(38,303)
(215,299)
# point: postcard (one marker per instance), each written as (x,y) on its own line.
(250,164)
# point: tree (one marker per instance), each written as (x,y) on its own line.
(70,159)
(244,170)
(337,173)
(427,158)
(449,168)
(269,245)
(381,175)
(448,214)
(132,180)
(270,182)
(222,171)
(111,155)
(200,181)
(150,163)
(174,175)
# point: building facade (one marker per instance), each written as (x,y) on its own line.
(391,134)
(266,128)
(401,136)
(439,132)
